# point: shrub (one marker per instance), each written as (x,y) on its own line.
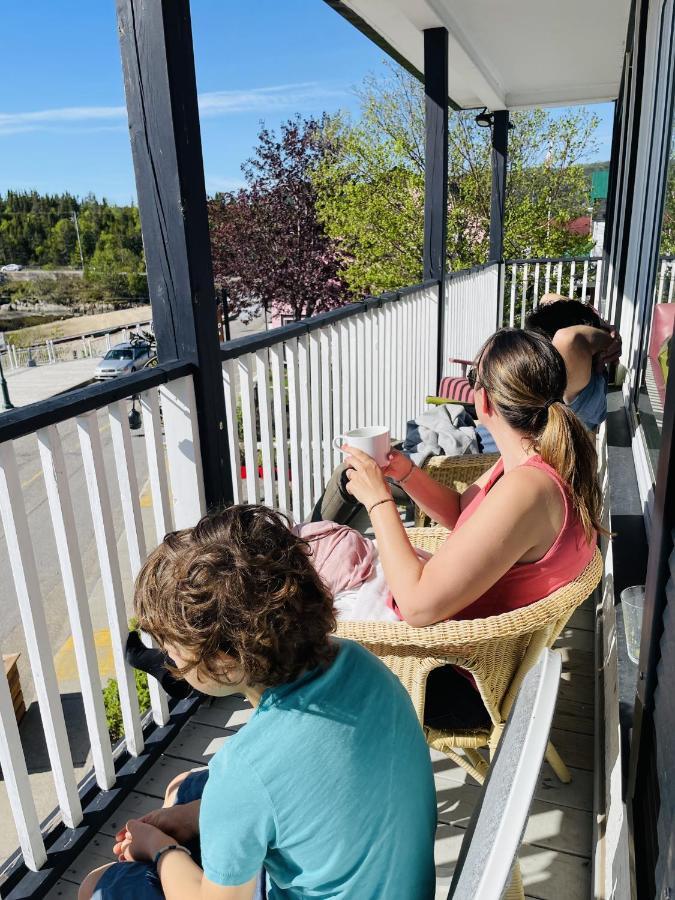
(113,708)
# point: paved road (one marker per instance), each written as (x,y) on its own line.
(40,382)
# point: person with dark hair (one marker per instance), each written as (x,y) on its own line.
(306,795)
(588,345)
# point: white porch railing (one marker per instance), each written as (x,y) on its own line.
(288,393)
(176,486)
(526,280)
(471,313)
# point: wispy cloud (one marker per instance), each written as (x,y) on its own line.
(277,98)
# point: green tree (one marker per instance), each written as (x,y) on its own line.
(371,195)
(116,268)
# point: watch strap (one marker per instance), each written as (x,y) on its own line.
(162,850)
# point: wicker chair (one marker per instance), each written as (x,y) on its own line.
(498,651)
(457,472)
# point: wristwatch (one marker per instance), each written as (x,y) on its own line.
(162,850)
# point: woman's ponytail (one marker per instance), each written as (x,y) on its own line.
(567,446)
(525,378)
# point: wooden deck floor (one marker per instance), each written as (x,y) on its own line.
(557,849)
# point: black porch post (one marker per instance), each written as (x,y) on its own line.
(436,169)
(500,142)
(161,92)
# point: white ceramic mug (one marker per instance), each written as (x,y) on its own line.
(373,440)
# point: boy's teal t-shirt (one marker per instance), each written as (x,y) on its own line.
(329,786)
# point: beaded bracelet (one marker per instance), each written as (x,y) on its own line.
(388,500)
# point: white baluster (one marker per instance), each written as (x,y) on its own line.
(598,283)
(559,272)
(345,376)
(367,386)
(75,591)
(326,403)
(315,414)
(376,365)
(230,388)
(279,394)
(183,451)
(305,424)
(111,577)
(245,369)
(127,480)
(523,309)
(354,421)
(265,416)
(584,282)
(547,282)
(512,307)
(572,279)
(336,366)
(535,296)
(292,354)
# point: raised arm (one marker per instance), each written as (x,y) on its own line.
(578,345)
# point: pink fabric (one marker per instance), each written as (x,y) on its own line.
(456,387)
(342,556)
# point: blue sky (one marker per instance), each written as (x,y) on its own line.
(62,117)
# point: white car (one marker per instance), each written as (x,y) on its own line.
(11,267)
(123,359)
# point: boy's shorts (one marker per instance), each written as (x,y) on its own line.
(140,880)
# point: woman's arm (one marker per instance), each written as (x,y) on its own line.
(578,345)
(440,502)
(513,521)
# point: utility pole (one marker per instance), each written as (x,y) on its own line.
(79,242)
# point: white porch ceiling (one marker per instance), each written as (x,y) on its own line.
(511,53)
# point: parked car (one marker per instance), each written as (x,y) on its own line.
(11,267)
(123,359)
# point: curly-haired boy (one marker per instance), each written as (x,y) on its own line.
(327,790)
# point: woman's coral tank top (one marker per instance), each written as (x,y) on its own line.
(526,583)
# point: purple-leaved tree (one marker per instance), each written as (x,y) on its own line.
(268,246)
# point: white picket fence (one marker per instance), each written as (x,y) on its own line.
(171,448)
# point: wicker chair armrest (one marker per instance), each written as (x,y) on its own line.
(456,637)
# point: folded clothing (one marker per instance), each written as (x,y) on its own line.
(445,431)
(342,556)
